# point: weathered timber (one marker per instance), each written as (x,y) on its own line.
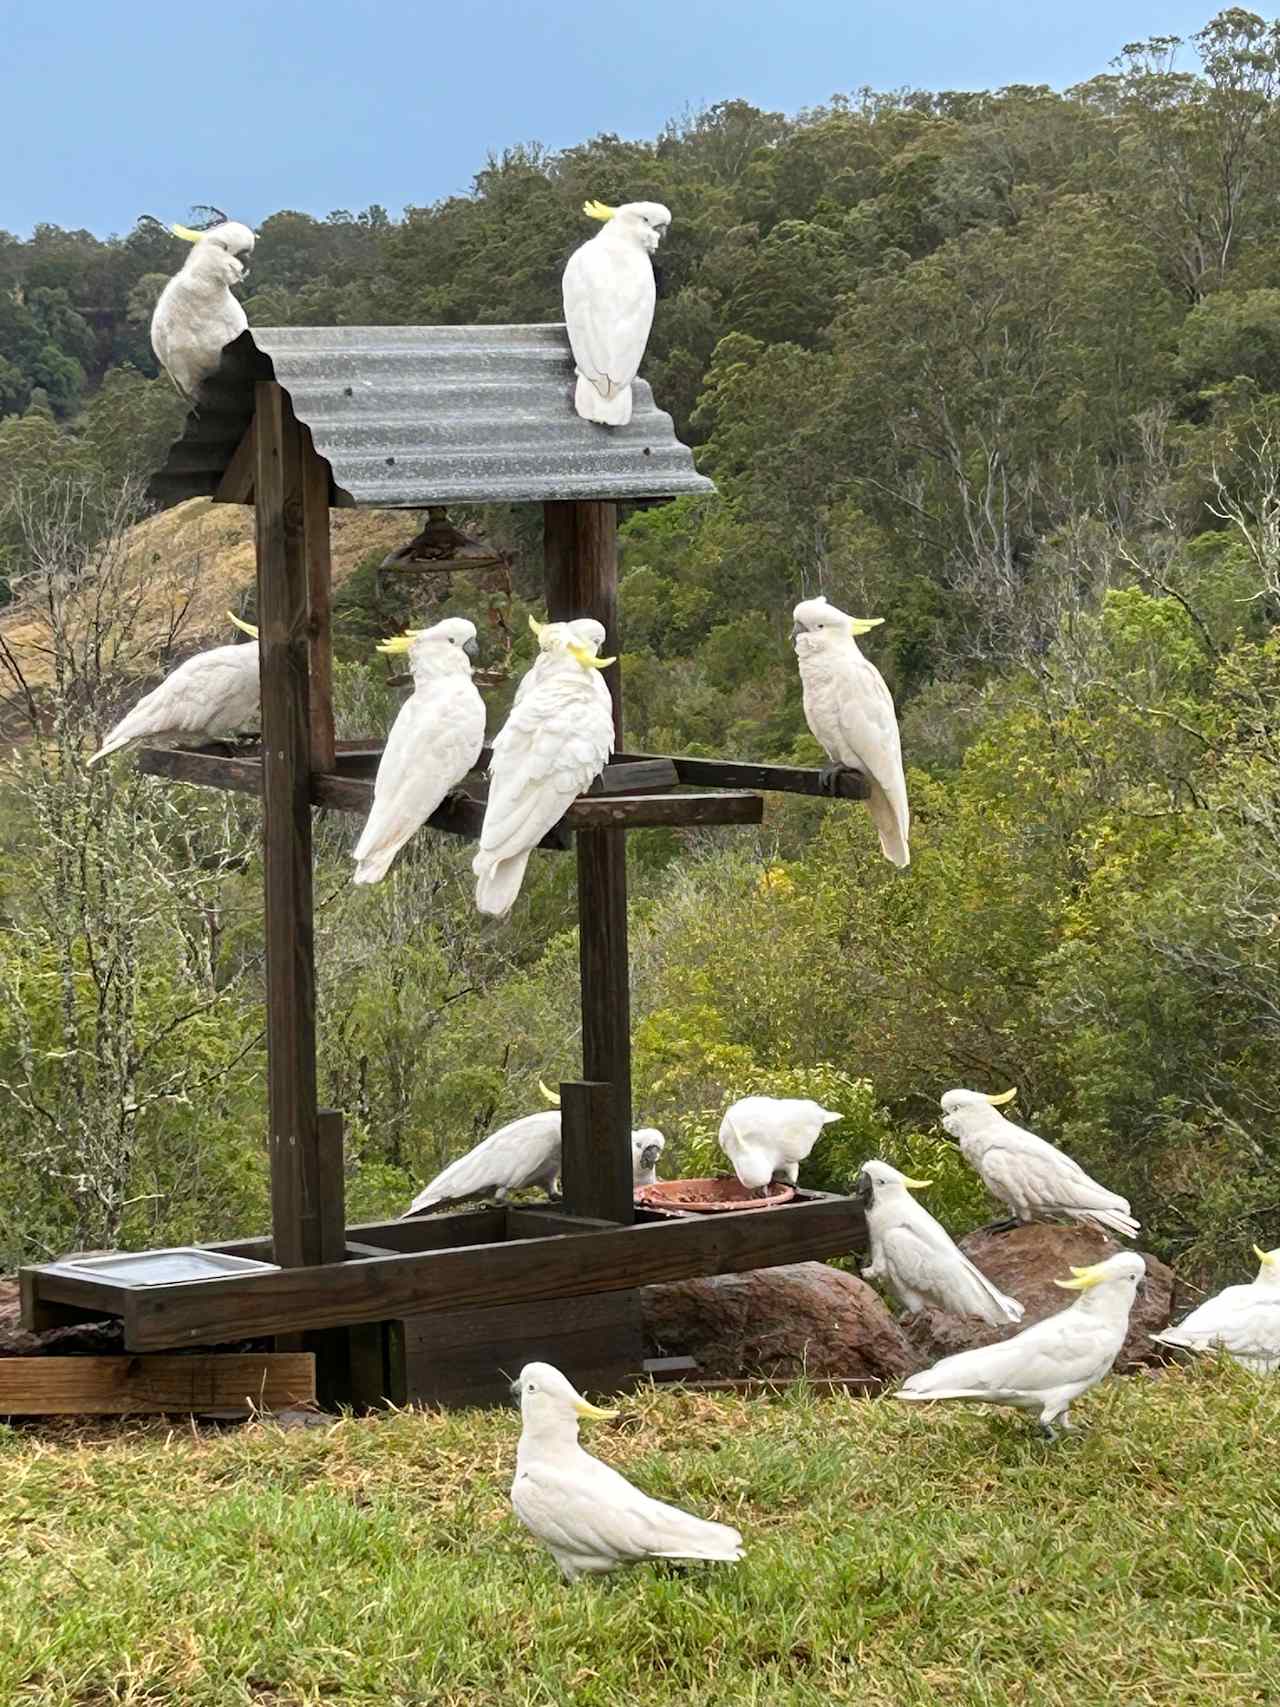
(329,1208)
(773,779)
(286,797)
(596,1177)
(417,1233)
(135,1386)
(236,485)
(528,1222)
(482,1275)
(580,569)
(645,776)
(316,544)
(659,811)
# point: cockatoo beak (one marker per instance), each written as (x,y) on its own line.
(186,234)
(585,1408)
(1082,1278)
(916,1184)
(1003,1098)
(400,642)
(244,627)
(550,1095)
(471,648)
(588,659)
(796,631)
(598,210)
(864,624)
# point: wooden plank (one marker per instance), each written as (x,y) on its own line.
(482,1275)
(357,1252)
(132,1386)
(316,545)
(236,485)
(39,1315)
(580,573)
(596,1175)
(606,1017)
(418,1233)
(296,1219)
(658,811)
(530,1223)
(774,779)
(330,1209)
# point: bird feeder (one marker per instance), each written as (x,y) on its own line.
(298,420)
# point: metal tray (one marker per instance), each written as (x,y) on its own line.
(161,1268)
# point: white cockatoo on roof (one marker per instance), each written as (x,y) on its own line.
(915,1255)
(197,316)
(589,1517)
(216,693)
(1037,1181)
(525,1152)
(554,744)
(849,710)
(1243,1320)
(609,296)
(434,741)
(767,1138)
(1050,1364)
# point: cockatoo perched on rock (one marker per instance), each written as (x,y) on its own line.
(215,693)
(552,747)
(609,296)
(1051,1363)
(197,316)
(915,1255)
(589,1517)
(849,710)
(767,1138)
(434,741)
(1244,1320)
(525,1152)
(1036,1181)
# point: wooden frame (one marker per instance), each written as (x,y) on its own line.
(355,1296)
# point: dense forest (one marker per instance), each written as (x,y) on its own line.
(1002,368)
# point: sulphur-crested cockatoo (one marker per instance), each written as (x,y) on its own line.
(1036,1181)
(589,1517)
(525,1152)
(1050,1364)
(849,710)
(552,747)
(434,741)
(1243,1320)
(197,316)
(211,695)
(609,296)
(767,1138)
(915,1256)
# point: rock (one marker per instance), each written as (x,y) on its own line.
(1025,1261)
(800,1319)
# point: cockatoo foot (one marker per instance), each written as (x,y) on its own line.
(1046,1431)
(1005,1226)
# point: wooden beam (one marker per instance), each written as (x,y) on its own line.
(417,1233)
(775,779)
(330,1236)
(236,485)
(527,1271)
(580,571)
(296,1220)
(316,544)
(135,1386)
(525,1221)
(597,1178)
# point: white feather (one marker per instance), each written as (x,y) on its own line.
(609,298)
(523,1153)
(767,1138)
(1242,1320)
(197,316)
(215,693)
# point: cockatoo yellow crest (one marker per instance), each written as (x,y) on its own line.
(1083,1279)
(598,210)
(864,624)
(244,627)
(401,642)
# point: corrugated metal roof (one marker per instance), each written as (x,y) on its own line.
(414,415)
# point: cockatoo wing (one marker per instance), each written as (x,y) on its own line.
(214,692)
(585,1509)
(921,1256)
(1033,1177)
(609,297)
(550,750)
(1244,1320)
(869,739)
(1058,1352)
(434,741)
(514,1156)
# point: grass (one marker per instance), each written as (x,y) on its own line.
(895,1557)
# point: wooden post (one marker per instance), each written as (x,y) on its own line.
(594,1177)
(315,538)
(295,1145)
(580,551)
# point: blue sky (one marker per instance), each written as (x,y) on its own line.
(117,107)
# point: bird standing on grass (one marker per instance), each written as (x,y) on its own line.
(434,741)
(1036,1180)
(1050,1364)
(589,1517)
(609,297)
(197,316)
(216,693)
(554,744)
(767,1138)
(915,1255)
(849,710)
(1243,1320)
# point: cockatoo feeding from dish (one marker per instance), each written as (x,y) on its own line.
(767,1138)
(609,295)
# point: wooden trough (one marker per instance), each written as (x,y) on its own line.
(437,1308)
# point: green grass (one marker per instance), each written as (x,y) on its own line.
(895,1556)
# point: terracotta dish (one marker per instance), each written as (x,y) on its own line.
(708,1196)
